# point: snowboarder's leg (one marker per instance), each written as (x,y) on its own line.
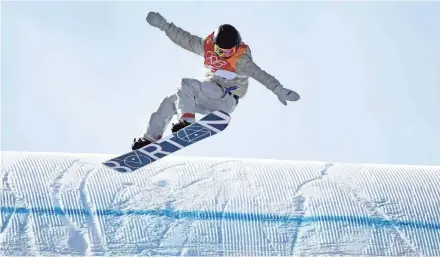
(202,97)
(186,100)
(159,120)
(214,97)
(193,96)
(188,94)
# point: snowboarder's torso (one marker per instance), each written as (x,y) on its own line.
(224,71)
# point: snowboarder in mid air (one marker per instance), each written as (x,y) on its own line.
(228,66)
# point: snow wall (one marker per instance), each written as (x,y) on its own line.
(69,204)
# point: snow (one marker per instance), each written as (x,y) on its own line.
(69,204)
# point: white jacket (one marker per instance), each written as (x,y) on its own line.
(245,67)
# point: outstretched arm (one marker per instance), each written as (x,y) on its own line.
(247,66)
(178,35)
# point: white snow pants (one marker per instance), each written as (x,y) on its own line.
(193,96)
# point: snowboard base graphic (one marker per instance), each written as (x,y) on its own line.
(208,126)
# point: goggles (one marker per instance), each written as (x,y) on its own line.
(224,52)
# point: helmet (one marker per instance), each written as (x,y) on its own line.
(227,37)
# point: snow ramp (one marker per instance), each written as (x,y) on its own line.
(69,204)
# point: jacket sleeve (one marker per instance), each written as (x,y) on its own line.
(184,39)
(248,67)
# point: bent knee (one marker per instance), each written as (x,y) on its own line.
(171,99)
(189,84)
(168,103)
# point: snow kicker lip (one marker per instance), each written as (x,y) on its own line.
(217,206)
(213,215)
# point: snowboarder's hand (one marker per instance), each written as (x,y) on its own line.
(156,20)
(285,94)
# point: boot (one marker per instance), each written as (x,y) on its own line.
(179,125)
(140,142)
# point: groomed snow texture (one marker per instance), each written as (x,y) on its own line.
(69,204)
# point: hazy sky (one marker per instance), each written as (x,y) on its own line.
(85,77)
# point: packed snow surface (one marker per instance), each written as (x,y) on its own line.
(70,204)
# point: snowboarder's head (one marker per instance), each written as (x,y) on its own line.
(226,40)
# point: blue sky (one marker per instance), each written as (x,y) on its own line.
(85,77)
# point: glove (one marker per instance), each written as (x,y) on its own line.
(285,94)
(156,20)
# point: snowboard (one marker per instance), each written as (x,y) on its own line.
(209,125)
